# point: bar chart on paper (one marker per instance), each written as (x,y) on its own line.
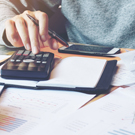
(16,123)
(8,123)
(16,117)
(121,132)
(24,110)
(19,113)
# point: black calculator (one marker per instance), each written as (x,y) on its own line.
(23,64)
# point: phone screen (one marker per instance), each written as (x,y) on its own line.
(89,49)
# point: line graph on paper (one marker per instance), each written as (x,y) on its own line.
(32,100)
(133,119)
(129,118)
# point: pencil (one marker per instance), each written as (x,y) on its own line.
(50,32)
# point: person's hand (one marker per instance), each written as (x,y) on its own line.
(21,31)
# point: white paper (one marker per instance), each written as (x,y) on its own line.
(129,91)
(76,72)
(22,111)
(2,57)
(113,114)
(125,74)
(128,59)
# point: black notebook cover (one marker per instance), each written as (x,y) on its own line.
(102,86)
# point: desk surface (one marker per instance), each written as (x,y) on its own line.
(64,55)
(57,55)
(10,51)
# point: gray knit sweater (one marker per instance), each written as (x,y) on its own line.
(101,22)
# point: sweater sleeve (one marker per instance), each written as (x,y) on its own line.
(10,8)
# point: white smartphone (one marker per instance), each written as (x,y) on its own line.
(86,49)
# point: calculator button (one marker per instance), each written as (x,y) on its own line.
(27,57)
(26,53)
(38,60)
(28,60)
(32,56)
(23,66)
(20,52)
(46,55)
(12,65)
(42,67)
(44,62)
(39,55)
(13,59)
(19,59)
(32,66)
(44,58)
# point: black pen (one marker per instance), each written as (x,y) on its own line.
(50,32)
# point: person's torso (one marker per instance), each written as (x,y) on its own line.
(102,22)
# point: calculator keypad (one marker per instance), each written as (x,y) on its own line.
(25,64)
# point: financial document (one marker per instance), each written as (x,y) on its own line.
(125,73)
(22,111)
(113,114)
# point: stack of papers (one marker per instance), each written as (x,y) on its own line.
(31,111)
(23,110)
(125,74)
(113,114)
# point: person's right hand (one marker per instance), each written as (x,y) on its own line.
(21,31)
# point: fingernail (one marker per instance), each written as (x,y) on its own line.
(43,37)
(14,40)
(35,50)
(27,46)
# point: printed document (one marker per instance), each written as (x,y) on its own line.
(113,114)
(22,111)
(125,74)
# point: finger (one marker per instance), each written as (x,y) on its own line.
(52,43)
(23,32)
(43,25)
(33,35)
(40,42)
(12,34)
